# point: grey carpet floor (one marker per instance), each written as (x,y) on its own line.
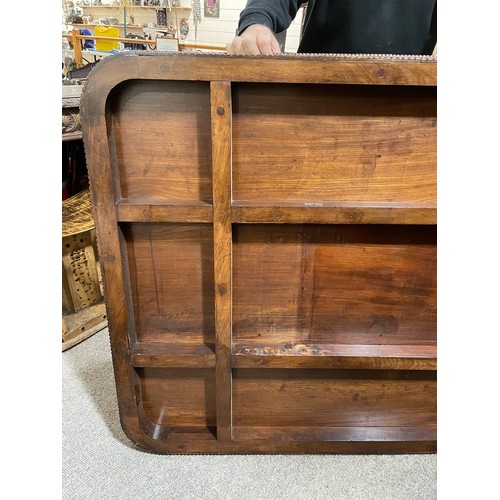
(99,462)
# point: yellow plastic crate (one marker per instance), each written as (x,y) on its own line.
(109,31)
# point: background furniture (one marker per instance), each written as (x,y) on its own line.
(79,54)
(135,17)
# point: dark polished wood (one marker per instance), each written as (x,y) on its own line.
(221,114)
(267,237)
(352,144)
(331,213)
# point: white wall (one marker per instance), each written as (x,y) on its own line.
(220,31)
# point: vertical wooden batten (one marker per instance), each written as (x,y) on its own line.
(110,253)
(220,100)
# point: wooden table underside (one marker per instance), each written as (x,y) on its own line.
(267,238)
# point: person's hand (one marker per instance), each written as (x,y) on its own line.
(256,40)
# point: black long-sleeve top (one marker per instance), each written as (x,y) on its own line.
(351,26)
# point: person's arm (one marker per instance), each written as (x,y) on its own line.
(259,20)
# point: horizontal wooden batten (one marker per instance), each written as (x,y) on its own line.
(284,434)
(286,68)
(393,357)
(182,434)
(158,355)
(164,212)
(333,213)
(203,443)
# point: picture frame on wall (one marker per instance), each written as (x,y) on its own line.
(167,44)
(212,8)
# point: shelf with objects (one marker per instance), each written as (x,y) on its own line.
(130,17)
(269,249)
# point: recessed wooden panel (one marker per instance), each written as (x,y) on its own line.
(334,284)
(334,143)
(160,140)
(178,397)
(333,398)
(171,281)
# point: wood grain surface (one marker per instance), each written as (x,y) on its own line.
(331,398)
(161,139)
(267,238)
(348,144)
(171,281)
(178,397)
(221,139)
(334,284)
